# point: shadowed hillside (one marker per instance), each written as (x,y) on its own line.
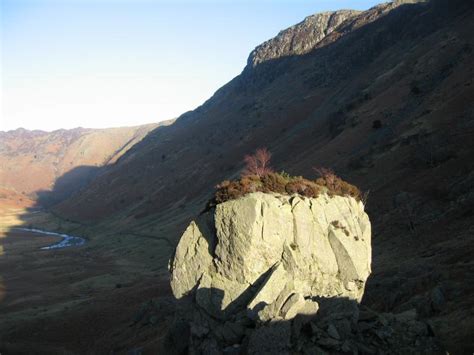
(385,99)
(369,90)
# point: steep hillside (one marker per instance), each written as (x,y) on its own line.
(367,88)
(384,97)
(32,161)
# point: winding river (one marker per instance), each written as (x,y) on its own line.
(67,241)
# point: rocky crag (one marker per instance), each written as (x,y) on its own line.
(316,31)
(301,38)
(269,273)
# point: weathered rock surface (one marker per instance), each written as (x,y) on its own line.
(300,38)
(278,274)
(317,30)
(265,243)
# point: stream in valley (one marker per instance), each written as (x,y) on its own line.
(67,241)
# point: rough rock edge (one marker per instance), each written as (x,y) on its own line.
(276,314)
(287,321)
(314,30)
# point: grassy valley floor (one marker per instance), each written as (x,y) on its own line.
(76,300)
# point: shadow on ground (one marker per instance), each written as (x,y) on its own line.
(80,299)
(340,326)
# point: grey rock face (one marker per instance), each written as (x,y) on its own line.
(266,243)
(317,30)
(265,257)
(191,260)
(278,274)
(301,38)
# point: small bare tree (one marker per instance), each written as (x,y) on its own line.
(258,163)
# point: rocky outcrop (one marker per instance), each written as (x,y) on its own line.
(318,30)
(267,256)
(253,250)
(271,273)
(300,38)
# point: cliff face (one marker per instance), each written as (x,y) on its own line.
(251,274)
(301,38)
(318,30)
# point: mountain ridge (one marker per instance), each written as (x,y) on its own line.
(33,160)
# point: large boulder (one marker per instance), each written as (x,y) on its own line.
(250,249)
(277,274)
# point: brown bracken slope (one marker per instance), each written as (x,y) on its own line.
(32,161)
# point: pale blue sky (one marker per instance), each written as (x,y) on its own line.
(108,63)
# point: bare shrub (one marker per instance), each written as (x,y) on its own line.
(335,185)
(258,163)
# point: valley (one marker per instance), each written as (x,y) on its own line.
(78,299)
(384,97)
